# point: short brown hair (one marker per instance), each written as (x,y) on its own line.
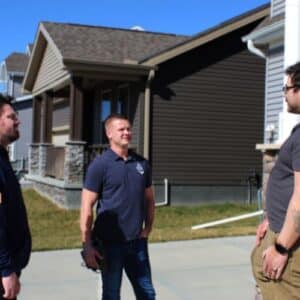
(294,72)
(5,100)
(112,117)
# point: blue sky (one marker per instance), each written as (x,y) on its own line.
(19,19)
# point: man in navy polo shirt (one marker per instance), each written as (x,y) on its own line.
(15,238)
(119,181)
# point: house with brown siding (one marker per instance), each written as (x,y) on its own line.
(195,103)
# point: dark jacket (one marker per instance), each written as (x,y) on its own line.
(15,238)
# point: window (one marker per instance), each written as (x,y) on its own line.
(122,100)
(105,110)
(111,101)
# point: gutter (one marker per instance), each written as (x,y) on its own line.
(147,114)
(126,67)
(24,98)
(254,50)
(266,35)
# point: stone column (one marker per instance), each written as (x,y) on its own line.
(33,159)
(74,162)
(43,153)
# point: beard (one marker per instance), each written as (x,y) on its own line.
(293,110)
(13,136)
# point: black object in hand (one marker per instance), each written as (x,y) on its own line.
(98,245)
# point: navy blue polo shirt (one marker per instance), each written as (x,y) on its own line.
(121,186)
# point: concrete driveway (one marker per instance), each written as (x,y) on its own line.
(187,270)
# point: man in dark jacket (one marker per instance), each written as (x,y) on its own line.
(15,238)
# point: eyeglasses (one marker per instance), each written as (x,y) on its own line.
(286,88)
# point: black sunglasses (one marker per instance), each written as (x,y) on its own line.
(286,88)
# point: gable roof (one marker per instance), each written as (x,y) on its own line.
(16,63)
(81,48)
(108,45)
(78,48)
(209,35)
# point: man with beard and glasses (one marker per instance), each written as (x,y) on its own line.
(276,257)
(15,238)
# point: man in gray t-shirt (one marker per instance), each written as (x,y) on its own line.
(281,183)
(276,257)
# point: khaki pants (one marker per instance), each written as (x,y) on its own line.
(288,287)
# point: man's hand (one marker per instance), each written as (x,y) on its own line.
(90,256)
(11,285)
(261,231)
(145,233)
(273,263)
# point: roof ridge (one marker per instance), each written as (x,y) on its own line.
(19,53)
(116,28)
(210,30)
(232,20)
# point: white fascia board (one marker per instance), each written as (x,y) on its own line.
(24,98)
(267,35)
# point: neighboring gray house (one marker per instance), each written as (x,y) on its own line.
(277,40)
(12,71)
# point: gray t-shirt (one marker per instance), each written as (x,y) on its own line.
(281,182)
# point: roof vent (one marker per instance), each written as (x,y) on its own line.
(137,28)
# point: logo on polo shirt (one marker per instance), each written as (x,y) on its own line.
(140,168)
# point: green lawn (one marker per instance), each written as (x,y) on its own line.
(55,228)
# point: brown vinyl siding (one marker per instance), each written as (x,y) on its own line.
(208,117)
(51,69)
(61,114)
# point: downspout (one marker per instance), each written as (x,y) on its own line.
(147,114)
(251,47)
(254,50)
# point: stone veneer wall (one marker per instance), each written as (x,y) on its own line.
(65,193)
(43,155)
(74,162)
(68,198)
(33,159)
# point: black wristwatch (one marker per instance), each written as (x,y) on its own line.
(280,249)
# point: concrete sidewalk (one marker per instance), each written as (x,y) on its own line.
(188,270)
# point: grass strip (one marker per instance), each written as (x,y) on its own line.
(56,228)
